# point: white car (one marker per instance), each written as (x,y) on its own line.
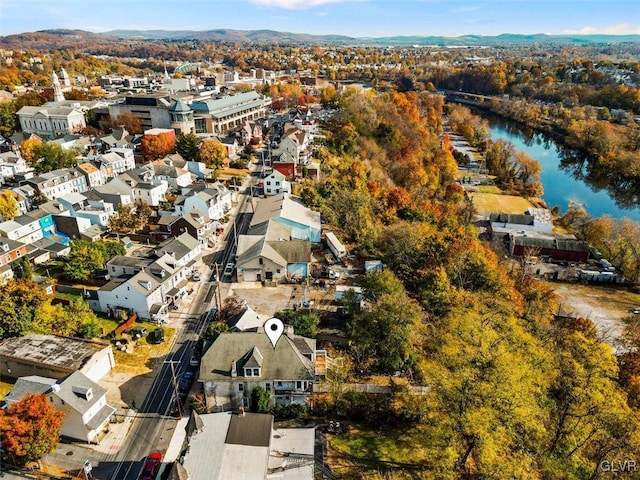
(228,269)
(196,276)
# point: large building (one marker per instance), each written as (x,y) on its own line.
(220,115)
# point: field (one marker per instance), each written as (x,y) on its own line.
(492,203)
(364,453)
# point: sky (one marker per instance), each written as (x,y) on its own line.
(357,18)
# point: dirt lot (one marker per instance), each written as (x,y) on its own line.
(605,306)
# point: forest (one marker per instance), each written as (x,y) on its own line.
(515,393)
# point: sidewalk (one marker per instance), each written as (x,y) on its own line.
(117,435)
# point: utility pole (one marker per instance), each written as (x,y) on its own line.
(218,294)
(175,385)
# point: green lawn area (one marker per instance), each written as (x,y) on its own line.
(362,453)
(489,189)
(145,356)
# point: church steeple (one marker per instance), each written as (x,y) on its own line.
(57,91)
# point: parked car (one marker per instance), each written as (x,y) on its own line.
(156,336)
(228,269)
(195,276)
(195,361)
(185,382)
(136,332)
(151,466)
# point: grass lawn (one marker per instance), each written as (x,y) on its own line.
(489,189)
(145,356)
(5,387)
(361,453)
(233,172)
(493,203)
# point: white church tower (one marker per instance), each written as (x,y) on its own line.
(57,91)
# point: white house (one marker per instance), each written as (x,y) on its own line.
(83,402)
(213,202)
(149,285)
(50,120)
(276,183)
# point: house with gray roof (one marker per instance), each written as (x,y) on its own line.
(148,286)
(83,402)
(289,210)
(236,363)
(245,445)
(270,253)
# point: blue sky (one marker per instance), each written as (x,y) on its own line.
(359,18)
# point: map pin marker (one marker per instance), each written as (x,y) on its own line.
(274,328)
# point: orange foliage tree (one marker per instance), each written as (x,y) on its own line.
(30,428)
(157,146)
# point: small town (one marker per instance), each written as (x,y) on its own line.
(233,254)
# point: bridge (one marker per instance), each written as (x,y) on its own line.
(470,98)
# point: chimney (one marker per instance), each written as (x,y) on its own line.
(234,370)
(288,331)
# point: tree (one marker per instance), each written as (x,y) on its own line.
(48,156)
(82,261)
(9,208)
(8,123)
(19,301)
(157,146)
(129,219)
(188,146)
(129,122)
(303,322)
(212,153)
(260,400)
(30,428)
(26,148)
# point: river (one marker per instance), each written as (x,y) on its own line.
(565,176)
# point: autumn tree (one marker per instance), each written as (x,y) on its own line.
(87,258)
(157,146)
(188,146)
(129,122)
(30,428)
(19,300)
(48,156)
(212,153)
(130,219)
(26,148)
(9,208)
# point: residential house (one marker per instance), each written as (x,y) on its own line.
(289,210)
(148,286)
(534,219)
(97,212)
(12,164)
(10,251)
(245,445)
(269,253)
(30,227)
(83,402)
(115,162)
(213,202)
(236,363)
(95,177)
(57,183)
(246,320)
(142,186)
(54,356)
(175,177)
(276,183)
(195,224)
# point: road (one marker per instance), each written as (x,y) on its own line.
(154,423)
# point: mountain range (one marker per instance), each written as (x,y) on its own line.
(61,38)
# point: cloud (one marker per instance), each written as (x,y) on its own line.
(296,4)
(618,29)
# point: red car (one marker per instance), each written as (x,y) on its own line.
(151,466)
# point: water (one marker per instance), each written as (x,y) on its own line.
(565,176)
